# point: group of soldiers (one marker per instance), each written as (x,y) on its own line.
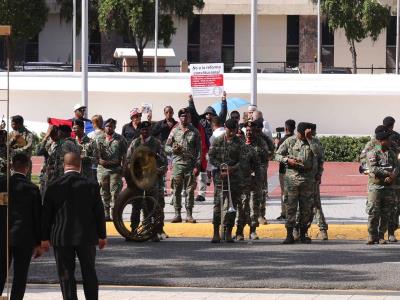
(380,160)
(234,154)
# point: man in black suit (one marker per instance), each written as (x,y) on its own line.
(24,224)
(73,222)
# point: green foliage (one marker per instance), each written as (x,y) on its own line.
(66,11)
(343,148)
(135,19)
(359,19)
(27,18)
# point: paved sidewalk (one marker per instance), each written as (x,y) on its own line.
(44,292)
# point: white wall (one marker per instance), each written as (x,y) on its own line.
(271,38)
(368,52)
(55,40)
(339,104)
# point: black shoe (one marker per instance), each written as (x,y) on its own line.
(200,199)
(108,219)
(281,218)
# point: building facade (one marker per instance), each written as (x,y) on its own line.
(287,37)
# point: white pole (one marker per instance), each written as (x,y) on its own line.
(398,37)
(156,37)
(253,52)
(74,35)
(85,52)
(319,38)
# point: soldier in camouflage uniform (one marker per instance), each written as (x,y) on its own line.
(21,140)
(155,147)
(110,151)
(86,146)
(3,152)
(226,150)
(251,170)
(62,145)
(383,168)
(44,150)
(263,139)
(297,154)
(319,157)
(184,145)
(395,147)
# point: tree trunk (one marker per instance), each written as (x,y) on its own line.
(353,55)
(139,54)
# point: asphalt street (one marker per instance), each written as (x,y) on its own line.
(261,264)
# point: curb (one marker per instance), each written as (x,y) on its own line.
(271,231)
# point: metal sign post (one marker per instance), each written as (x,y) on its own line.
(85,53)
(253,52)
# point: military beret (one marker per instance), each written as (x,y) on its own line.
(145,124)
(312,126)
(17,119)
(231,124)
(258,123)
(382,133)
(388,121)
(302,126)
(251,124)
(183,111)
(65,129)
(80,123)
(110,121)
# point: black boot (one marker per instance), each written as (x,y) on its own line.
(216,238)
(228,235)
(289,236)
(253,234)
(239,233)
(304,239)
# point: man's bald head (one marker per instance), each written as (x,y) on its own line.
(72,161)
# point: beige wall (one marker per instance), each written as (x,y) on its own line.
(271,44)
(368,52)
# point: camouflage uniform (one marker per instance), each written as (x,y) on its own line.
(86,146)
(158,194)
(110,177)
(319,159)
(55,161)
(26,147)
(228,152)
(299,180)
(183,164)
(270,153)
(249,207)
(381,196)
(44,150)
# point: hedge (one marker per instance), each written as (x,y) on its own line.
(343,148)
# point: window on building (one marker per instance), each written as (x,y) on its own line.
(32,49)
(95,46)
(327,46)
(193,50)
(391,46)
(292,41)
(228,42)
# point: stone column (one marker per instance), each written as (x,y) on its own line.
(211,38)
(308,43)
(109,41)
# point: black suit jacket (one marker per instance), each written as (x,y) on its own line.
(73,213)
(25,212)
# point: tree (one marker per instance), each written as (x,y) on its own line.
(27,18)
(359,19)
(135,20)
(66,11)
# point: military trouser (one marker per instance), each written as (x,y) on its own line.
(283,194)
(299,195)
(110,187)
(221,198)
(317,210)
(202,184)
(262,197)
(142,202)
(248,206)
(183,178)
(394,214)
(379,205)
